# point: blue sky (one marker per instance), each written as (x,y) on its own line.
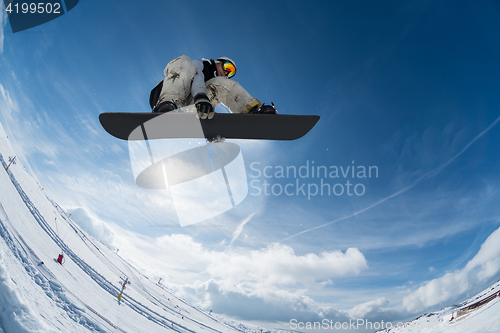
(411,88)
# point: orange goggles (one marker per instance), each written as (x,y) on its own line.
(229,69)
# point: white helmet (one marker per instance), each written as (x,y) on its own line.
(228,65)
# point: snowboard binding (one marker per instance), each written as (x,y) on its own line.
(217,139)
(165,107)
(265,109)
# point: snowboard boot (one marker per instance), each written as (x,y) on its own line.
(165,107)
(265,109)
(251,106)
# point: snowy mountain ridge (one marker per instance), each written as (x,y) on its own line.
(479,313)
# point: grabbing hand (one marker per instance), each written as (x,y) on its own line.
(203,106)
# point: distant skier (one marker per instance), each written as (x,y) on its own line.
(205,84)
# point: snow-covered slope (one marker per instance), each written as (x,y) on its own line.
(480,313)
(37,294)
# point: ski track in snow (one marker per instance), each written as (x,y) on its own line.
(46,281)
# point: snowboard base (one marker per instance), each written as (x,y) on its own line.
(183,123)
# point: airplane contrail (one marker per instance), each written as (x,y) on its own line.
(239,229)
(427,175)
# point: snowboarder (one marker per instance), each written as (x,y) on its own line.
(205,84)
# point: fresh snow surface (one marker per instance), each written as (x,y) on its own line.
(37,294)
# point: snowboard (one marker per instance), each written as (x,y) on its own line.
(182,124)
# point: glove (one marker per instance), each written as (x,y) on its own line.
(203,106)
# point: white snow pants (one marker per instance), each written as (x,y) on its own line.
(179,75)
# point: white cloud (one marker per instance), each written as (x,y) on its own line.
(369,309)
(24,129)
(277,305)
(3,22)
(250,284)
(275,265)
(92,225)
(484,265)
(487,259)
(8,105)
(279,265)
(104,193)
(239,229)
